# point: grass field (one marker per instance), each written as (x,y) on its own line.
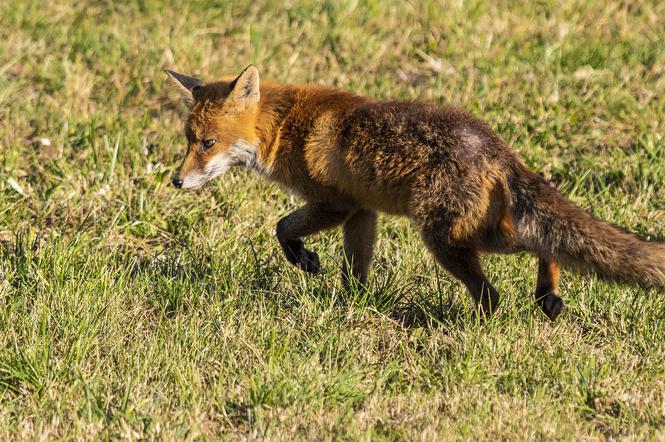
(132,310)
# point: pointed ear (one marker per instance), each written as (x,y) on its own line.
(245,88)
(186,84)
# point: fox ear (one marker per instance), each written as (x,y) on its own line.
(245,88)
(186,84)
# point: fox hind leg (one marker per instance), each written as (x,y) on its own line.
(464,264)
(547,288)
(359,238)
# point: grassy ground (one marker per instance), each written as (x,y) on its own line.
(132,310)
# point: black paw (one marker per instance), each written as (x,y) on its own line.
(552,305)
(307,260)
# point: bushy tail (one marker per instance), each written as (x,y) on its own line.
(550,225)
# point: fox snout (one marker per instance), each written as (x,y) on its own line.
(192,179)
(193,172)
(177,181)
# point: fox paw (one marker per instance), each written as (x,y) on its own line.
(551,304)
(307,260)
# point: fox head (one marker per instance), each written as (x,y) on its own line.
(221,127)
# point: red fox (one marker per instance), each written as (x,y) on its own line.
(458,182)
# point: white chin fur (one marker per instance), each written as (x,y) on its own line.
(240,153)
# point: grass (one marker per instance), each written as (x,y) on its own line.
(131,310)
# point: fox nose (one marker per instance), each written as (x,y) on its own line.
(177,181)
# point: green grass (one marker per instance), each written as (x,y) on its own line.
(132,310)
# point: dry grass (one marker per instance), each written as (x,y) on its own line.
(135,311)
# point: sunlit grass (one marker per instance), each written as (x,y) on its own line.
(131,310)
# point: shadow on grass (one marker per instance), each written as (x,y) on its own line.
(422,313)
(412,305)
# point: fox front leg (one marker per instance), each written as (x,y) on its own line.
(359,238)
(305,221)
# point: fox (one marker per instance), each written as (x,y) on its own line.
(457,181)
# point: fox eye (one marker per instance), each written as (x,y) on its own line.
(208,143)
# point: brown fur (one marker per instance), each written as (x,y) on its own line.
(460,184)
